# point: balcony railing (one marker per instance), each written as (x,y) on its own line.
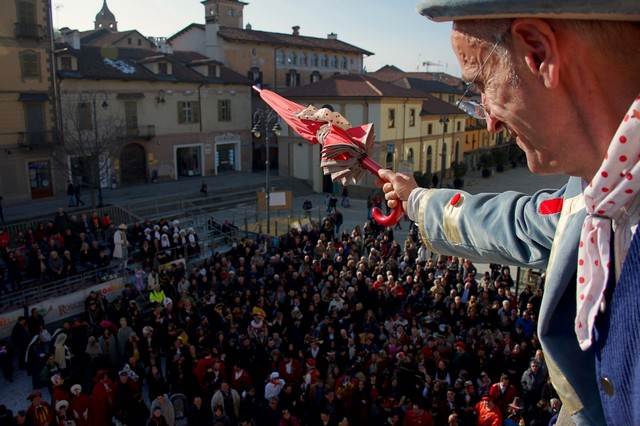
(144,132)
(28,30)
(38,139)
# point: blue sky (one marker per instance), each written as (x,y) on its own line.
(392,29)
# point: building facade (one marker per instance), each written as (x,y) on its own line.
(274,60)
(476,139)
(27,102)
(179,115)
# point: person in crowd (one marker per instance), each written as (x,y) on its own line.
(39,412)
(359,331)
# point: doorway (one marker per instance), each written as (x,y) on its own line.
(133,164)
(40,179)
(227,157)
(189,161)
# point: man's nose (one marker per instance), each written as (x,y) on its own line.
(493,124)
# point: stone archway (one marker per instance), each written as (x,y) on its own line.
(133,164)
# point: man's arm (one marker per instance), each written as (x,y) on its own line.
(507,228)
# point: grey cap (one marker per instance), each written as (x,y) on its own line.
(595,10)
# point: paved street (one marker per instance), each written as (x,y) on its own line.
(122,196)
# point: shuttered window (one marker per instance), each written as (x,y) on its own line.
(30,64)
(188,112)
(224,110)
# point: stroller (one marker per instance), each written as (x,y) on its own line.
(180,408)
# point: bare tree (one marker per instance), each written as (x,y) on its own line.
(92,138)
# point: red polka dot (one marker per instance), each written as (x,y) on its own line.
(605,189)
(611,202)
(582,297)
(593,240)
(629,176)
(581,244)
(629,191)
(600,212)
(581,280)
(581,262)
(590,297)
(597,263)
(623,158)
(455,199)
(604,174)
(579,325)
(623,139)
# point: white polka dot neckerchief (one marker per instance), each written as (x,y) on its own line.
(613,188)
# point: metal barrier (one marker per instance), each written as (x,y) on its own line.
(116,213)
(35,293)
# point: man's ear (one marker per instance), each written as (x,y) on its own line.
(536,42)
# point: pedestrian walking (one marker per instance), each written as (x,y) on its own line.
(76,193)
(344,202)
(71,194)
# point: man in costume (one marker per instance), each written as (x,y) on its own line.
(562,77)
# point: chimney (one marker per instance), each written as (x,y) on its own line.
(248,27)
(296,30)
(332,36)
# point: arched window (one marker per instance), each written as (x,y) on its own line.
(324,60)
(390,152)
(410,155)
(345,63)
(279,57)
(314,59)
(303,59)
(292,59)
(334,62)
(315,77)
(293,78)
(429,167)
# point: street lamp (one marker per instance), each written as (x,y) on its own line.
(265,122)
(444,121)
(93,96)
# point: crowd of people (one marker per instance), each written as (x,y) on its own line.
(313,328)
(70,244)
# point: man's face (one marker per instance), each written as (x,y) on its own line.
(517,100)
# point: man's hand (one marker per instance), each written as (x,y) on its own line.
(397,186)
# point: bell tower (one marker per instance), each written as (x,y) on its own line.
(227,13)
(105,19)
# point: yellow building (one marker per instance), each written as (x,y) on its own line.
(450,89)
(275,60)
(27,106)
(409,135)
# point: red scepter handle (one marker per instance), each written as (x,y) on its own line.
(376,213)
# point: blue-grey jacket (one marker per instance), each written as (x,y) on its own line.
(540,231)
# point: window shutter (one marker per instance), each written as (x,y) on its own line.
(196,111)
(181,115)
(26,12)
